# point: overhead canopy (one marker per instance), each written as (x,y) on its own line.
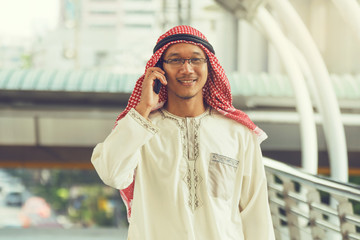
(53,118)
(89,87)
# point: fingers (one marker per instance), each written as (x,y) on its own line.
(148,97)
(157,69)
(159,76)
(153,73)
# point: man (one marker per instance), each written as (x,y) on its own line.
(187,163)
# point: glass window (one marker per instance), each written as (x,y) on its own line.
(103,12)
(99,26)
(135,25)
(139,12)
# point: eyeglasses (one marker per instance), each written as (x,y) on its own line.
(177,62)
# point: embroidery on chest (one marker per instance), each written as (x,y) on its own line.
(190,139)
(224,160)
(189,134)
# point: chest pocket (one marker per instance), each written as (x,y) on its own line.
(222,174)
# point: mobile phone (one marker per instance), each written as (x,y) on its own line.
(157,85)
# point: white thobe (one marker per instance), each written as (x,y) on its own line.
(196,177)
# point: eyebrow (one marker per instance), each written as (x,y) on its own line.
(178,54)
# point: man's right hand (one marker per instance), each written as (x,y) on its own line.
(149,98)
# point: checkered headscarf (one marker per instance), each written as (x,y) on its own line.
(216,92)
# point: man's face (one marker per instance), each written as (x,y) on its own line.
(185,81)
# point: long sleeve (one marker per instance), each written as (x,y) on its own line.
(254,206)
(116,158)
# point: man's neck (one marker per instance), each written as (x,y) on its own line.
(186,108)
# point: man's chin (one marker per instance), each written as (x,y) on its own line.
(185,97)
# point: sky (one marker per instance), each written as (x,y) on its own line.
(25,18)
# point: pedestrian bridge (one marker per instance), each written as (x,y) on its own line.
(53,119)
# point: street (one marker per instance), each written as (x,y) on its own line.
(9,216)
(61,234)
(11,229)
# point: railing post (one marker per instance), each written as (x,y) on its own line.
(345,207)
(273,207)
(322,220)
(290,203)
(313,196)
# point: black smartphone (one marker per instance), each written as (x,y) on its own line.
(157,84)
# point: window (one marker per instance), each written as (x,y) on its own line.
(104,26)
(103,12)
(139,12)
(134,25)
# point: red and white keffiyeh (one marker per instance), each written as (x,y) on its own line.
(216,92)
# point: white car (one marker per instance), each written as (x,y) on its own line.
(12,192)
(14,199)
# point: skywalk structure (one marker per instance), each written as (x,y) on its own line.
(311,81)
(53,118)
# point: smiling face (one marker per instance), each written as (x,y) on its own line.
(187,80)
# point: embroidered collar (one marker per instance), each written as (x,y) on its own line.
(165,113)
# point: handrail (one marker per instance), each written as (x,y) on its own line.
(300,209)
(321,183)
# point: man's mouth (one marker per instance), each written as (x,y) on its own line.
(186,81)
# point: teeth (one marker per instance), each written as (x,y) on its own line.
(188,81)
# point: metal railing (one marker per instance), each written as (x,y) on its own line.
(306,206)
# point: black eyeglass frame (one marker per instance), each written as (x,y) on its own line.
(170,61)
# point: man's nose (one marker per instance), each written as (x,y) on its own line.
(187,67)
